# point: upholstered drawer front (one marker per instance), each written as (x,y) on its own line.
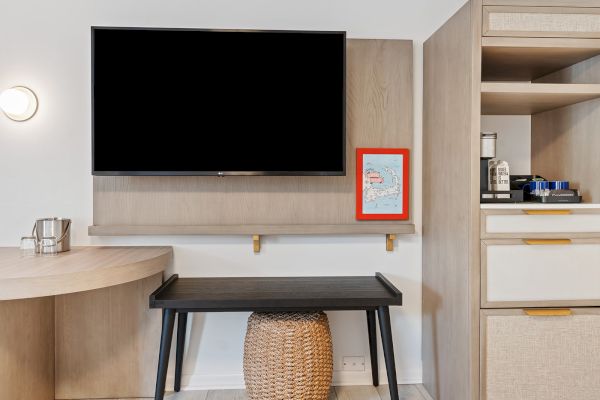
(540,272)
(541,21)
(540,223)
(527,357)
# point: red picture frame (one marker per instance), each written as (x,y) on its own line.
(404,187)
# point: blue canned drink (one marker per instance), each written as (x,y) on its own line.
(539,188)
(545,188)
(559,185)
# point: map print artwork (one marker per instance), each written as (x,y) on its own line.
(382,177)
(382,187)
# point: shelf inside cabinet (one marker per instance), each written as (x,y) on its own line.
(539,206)
(510,98)
(527,59)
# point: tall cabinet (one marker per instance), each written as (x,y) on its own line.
(511,294)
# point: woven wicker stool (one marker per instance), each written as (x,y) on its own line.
(288,356)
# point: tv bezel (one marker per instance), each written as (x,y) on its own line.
(219,173)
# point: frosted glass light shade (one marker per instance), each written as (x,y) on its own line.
(18,103)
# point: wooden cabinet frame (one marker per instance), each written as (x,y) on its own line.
(453,223)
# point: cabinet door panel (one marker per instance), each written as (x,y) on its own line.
(540,357)
(545,272)
(540,223)
(541,21)
(107,342)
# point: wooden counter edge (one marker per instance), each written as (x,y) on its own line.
(26,288)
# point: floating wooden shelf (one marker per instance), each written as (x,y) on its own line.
(504,98)
(355,229)
(527,59)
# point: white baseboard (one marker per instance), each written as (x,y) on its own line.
(340,378)
(208,382)
(349,378)
(424,392)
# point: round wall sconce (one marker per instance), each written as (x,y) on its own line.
(18,103)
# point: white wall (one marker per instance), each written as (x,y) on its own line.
(514,140)
(45,162)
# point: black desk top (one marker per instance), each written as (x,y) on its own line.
(276,294)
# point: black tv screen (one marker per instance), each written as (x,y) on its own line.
(214,102)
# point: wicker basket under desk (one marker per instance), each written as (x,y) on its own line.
(288,356)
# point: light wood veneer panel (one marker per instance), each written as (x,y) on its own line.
(379,114)
(569,151)
(565,141)
(452,59)
(107,342)
(82,268)
(27,349)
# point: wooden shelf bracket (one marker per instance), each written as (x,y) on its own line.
(256,243)
(389,241)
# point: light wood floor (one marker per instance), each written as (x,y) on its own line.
(407,392)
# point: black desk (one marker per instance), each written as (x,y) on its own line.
(181,296)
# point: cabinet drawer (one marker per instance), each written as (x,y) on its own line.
(540,357)
(541,21)
(543,273)
(542,223)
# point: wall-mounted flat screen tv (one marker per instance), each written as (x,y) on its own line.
(218,102)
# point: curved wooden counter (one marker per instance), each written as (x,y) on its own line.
(78,270)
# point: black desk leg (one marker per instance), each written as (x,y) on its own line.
(181,327)
(371,326)
(388,349)
(168,323)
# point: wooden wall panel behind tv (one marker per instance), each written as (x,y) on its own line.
(379,114)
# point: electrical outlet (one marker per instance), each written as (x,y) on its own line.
(354,363)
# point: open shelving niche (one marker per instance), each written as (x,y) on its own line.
(555,81)
(379,82)
(528,59)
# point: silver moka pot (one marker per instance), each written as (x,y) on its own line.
(60,228)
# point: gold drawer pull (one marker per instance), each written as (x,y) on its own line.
(548,312)
(547,212)
(546,242)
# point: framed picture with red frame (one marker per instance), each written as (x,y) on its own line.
(382,184)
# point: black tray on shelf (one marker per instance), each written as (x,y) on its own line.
(558,196)
(505,196)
